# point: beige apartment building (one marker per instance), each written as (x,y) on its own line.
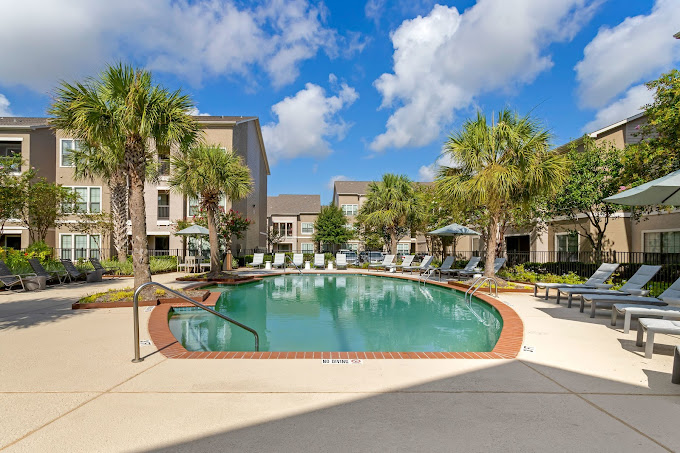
(293,217)
(48,151)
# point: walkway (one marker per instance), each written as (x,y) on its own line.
(67,384)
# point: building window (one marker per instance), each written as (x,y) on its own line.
(11,149)
(67,146)
(80,246)
(349,226)
(163,204)
(163,160)
(307,228)
(284,229)
(662,242)
(193,207)
(89,201)
(566,245)
(350,209)
(307,247)
(403,249)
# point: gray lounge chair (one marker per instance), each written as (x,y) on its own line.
(607,301)
(258,260)
(408,259)
(319,260)
(469,269)
(445,266)
(498,263)
(340,261)
(56,276)
(73,272)
(632,287)
(653,326)
(99,267)
(387,260)
(9,279)
(422,267)
(629,310)
(596,281)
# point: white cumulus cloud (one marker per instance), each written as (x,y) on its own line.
(195,112)
(629,105)
(305,122)
(638,48)
(191,39)
(444,60)
(4,106)
(331,182)
(427,173)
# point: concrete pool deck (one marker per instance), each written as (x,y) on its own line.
(67,384)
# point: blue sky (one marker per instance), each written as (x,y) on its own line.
(353,89)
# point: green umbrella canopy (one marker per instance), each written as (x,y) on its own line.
(194,230)
(662,191)
(453,230)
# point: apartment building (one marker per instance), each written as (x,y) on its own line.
(293,217)
(49,152)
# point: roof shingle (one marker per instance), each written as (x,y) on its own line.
(293,204)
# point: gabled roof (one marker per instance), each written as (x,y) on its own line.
(596,134)
(286,204)
(222,119)
(351,187)
(22,122)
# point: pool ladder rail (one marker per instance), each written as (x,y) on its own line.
(477,284)
(429,272)
(293,263)
(135,308)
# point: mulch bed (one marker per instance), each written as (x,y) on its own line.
(148,300)
(501,289)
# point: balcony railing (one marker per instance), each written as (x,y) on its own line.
(164,212)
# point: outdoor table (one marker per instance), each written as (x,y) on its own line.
(33,283)
(307,266)
(94,276)
(268,265)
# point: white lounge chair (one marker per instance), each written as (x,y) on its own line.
(632,287)
(340,261)
(279,260)
(385,263)
(258,260)
(298,260)
(653,326)
(469,269)
(445,267)
(408,259)
(607,301)
(319,260)
(596,281)
(422,267)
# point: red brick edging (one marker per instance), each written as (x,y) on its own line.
(507,347)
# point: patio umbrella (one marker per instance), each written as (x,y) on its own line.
(662,191)
(195,230)
(454,230)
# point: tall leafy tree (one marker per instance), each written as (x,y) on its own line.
(595,173)
(331,226)
(498,167)
(209,174)
(13,188)
(125,106)
(42,207)
(391,205)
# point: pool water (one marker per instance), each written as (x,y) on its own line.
(340,313)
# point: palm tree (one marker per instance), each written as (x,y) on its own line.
(500,167)
(391,206)
(107,162)
(210,173)
(123,106)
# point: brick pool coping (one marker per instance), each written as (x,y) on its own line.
(507,347)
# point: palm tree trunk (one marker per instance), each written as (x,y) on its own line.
(393,242)
(119,207)
(214,243)
(491,241)
(136,164)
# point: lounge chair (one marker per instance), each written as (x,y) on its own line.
(56,276)
(387,260)
(631,287)
(298,260)
(497,264)
(9,279)
(258,260)
(469,269)
(99,267)
(73,272)
(408,259)
(279,260)
(630,310)
(340,261)
(596,281)
(445,267)
(672,293)
(422,267)
(653,326)
(319,260)
(190,262)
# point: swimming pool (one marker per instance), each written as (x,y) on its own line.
(340,313)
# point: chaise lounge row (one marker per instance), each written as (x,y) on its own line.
(40,277)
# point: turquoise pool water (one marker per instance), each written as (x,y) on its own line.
(340,313)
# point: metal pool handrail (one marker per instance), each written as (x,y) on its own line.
(135,308)
(293,263)
(477,284)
